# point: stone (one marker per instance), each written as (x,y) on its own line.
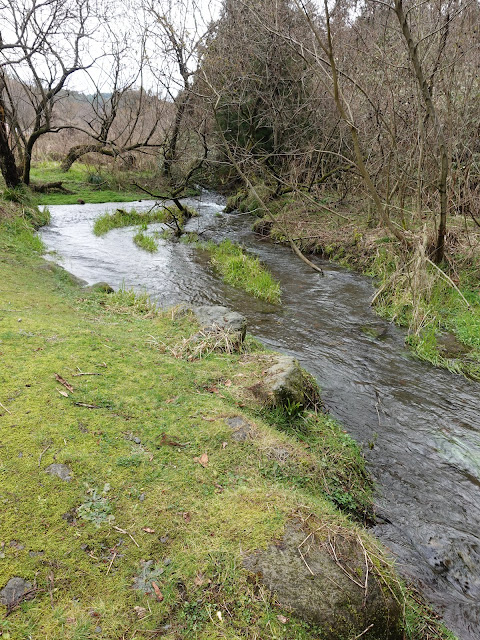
(60,470)
(137,440)
(240,427)
(217,317)
(317,588)
(286,384)
(99,287)
(14,591)
(17,545)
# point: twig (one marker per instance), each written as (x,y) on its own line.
(43,452)
(62,381)
(75,375)
(111,562)
(127,534)
(88,406)
(301,554)
(363,632)
(4,407)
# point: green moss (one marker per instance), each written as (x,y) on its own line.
(243,270)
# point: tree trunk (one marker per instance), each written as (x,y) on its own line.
(171,150)
(75,153)
(7,159)
(426,93)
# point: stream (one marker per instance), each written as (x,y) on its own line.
(420,425)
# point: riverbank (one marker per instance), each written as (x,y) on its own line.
(440,307)
(155,489)
(84,183)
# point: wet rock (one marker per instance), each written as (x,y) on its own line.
(240,427)
(319,590)
(216,317)
(60,470)
(99,287)
(14,591)
(286,384)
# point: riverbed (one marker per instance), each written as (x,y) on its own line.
(420,426)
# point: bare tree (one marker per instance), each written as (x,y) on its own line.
(122,116)
(53,47)
(176,33)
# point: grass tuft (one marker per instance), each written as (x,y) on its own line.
(145,242)
(123,218)
(244,271)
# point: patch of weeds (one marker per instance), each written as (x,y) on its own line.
(19,195)
(333,465)
(201,344)
(190,238)
(130,302)
(244,271)
(97,508)
(129,461)
(147,243)
(420,622)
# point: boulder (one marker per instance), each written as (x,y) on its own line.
(286,384)
(57,269)
(322,579)
(217,317)
(14,591)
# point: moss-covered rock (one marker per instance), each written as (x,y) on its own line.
(327,578)
(287,384)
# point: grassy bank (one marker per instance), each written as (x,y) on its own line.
(86,183)
(439,307)
(146,537)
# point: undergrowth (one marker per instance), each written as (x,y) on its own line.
(440,307)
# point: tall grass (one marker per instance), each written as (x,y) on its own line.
(147,243)
(244,271)
(122,218)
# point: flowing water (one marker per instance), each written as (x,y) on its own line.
(420,426)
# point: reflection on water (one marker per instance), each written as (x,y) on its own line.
(424,422)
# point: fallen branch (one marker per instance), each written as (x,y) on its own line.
(50,186)
(4,407)
(42,454)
